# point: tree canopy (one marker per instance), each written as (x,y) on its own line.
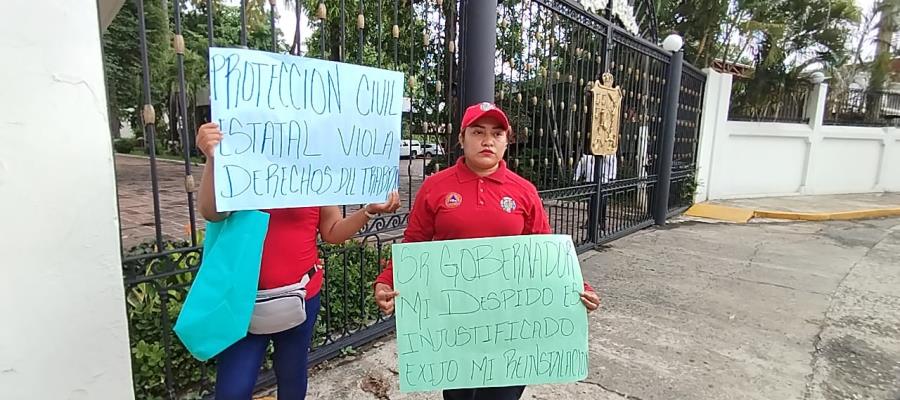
(122,57)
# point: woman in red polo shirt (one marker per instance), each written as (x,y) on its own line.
(289,256)
(478,188)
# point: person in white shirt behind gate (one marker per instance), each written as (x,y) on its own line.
(584,172)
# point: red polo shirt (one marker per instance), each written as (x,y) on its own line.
(457,204)
(290,250)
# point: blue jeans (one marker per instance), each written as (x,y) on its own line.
(238,366)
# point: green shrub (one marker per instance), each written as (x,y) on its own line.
(346,296)
(124,145)
(148,303)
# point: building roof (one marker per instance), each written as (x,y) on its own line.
(737,69)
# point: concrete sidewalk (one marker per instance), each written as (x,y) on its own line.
(719,311)
(804,208)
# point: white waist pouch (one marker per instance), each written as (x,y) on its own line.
(279,309)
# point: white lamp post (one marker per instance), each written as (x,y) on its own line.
(817,77)
(673,42)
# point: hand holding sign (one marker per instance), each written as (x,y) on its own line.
(208,137)
(389,206)
(384,298)
(590,299)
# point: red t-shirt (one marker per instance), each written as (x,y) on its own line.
(290,250)
(458,204)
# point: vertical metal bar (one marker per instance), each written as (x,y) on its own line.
(580,92)
(209,23)
(321,14)
(323,29)
(341,54)
(551,104)
(581,101)
(360,25)
(272,25)
(630,103)
(480,26)
(244,23)
(395,33)
(149,120)
(499,92)
(326,304)
(594,220)
(183,126)
(576,37)
(600,61)
(380,29)
(345,315)
(343,27)
(361,322)
(298,41)
(532,62)
(668,140)
(379,255)
(450,50)
(204,382)
(412,101)
(166,340)
(517,97)
(424,121)
(538,101)
(647,147)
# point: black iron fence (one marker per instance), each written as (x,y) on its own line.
(862,108)
(687,138)
(548,53)
(417,39)
(775,105)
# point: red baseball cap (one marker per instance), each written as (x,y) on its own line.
(473,113)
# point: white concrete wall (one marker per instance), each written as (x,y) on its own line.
(63,333)
(756,159)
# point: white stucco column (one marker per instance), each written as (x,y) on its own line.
(815,109)
(64,333)
(716,102)
(888,178)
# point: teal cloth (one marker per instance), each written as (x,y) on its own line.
(217,311)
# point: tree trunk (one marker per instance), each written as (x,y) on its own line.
(165,7)
(700,49)
(451,79)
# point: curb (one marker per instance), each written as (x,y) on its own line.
(721,213)
(162,160)
(744,215)
(830,216)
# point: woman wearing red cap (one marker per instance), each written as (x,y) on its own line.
(478,188)
(289,258)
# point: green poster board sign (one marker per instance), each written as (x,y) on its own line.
(489,312)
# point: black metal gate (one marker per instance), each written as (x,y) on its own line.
(543,85)
(548,52)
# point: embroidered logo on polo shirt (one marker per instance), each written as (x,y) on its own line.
(508,204)
(453,200)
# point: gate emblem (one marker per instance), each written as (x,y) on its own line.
(606,116)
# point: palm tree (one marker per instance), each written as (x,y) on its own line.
(881,67)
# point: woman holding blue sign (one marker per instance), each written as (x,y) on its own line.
(290,278)
(458,202)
